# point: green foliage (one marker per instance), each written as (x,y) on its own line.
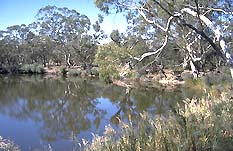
(95,71)
(3,70)
(204,124)
(108,72)
(59,35)
(40,69)
(109,58)
(74,72)
(189,37)
(63,70)
(217,78)
(32,68)
(10,69)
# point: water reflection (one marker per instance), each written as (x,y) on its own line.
(60,109)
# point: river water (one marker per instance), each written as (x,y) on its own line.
(37,112)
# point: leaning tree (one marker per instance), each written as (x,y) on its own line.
(198,27)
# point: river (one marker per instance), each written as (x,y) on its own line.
(37,112)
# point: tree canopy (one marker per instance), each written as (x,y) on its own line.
(200,29)
(58,35)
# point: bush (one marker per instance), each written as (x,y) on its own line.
(95,71)
(39,69)
(63,70)
(9,69)
(3,70)
(26,68)
(74,72)
(109,60)
(204,124)
(32,68)
(108,72)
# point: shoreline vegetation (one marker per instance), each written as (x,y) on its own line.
(125,78)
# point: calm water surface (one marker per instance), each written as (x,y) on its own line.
(36,112)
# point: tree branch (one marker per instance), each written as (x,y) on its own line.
(148,20)
(216,31)
(147,54)
(212,9)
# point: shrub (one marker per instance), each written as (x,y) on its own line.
(26,68)
(204,124)
(63,70)
(110,60)
(109,72)
(39,69)
(95,71)
(9,69)
(74,72)
(32,68)
(3,70)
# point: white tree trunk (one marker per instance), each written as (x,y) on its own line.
(218,36)
(194,70)
(67,58)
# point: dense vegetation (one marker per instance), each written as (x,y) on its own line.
(58,36)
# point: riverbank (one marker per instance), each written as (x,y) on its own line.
(168,77)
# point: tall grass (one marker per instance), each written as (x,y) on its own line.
(196,125)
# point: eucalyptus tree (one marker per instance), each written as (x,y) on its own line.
(2,53)
(11,41)
(197,27)
(63,26)
(42,49)
(86,46)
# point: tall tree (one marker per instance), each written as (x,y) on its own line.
(86,46)
(63,25)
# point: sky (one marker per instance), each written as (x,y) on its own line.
(17,12)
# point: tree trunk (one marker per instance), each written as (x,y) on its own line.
(218,36)
(194,70)
(67,58)
(44,61)
(231,69)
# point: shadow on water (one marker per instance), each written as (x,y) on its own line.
(36,111)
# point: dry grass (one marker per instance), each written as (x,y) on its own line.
(196,125)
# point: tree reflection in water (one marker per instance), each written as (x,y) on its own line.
(67,107)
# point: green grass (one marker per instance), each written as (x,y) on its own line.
(197,125)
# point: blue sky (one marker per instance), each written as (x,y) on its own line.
(17,12)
